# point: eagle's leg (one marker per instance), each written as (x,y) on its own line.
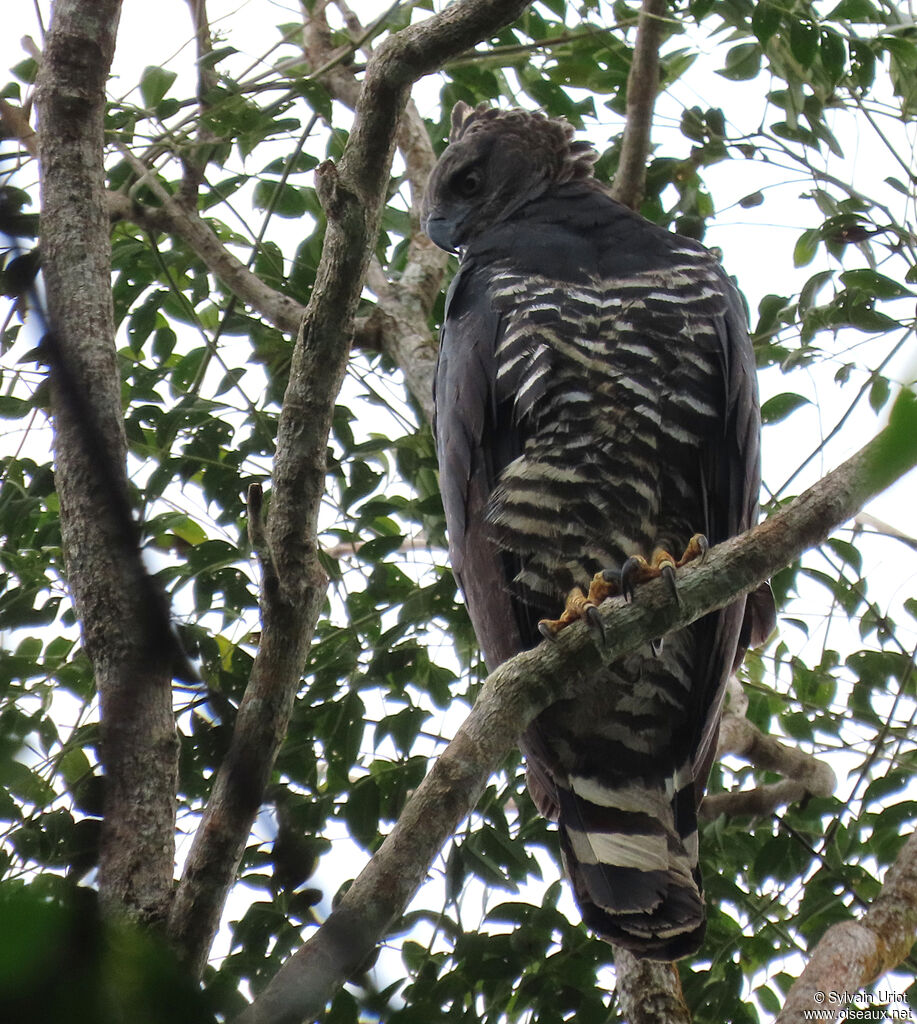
(610,582)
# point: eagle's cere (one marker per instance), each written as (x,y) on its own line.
(595,399)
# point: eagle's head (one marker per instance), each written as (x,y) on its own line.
(495,163)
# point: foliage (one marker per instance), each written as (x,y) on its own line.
(394,661)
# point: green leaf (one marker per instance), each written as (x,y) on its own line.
(285,200)
(74,765)
(743,62)
(765,20)
(833,52)
(154,84)
(877,285)
(806,247)
(361,812)
(780,406)
(855,10)
(879,392)
(804,38)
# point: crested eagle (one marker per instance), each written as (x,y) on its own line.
(597,422)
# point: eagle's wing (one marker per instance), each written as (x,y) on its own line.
(731,473)
(476,438)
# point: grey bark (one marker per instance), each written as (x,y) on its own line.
(138,740)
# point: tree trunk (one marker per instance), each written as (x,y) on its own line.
(110,589)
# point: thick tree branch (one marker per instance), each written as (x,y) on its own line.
(106,577)
(521,688)
(352,195)
(760,802)
(853,954)
(649,992)
(642,88)
(400,326)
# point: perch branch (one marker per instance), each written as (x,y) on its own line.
(649,992)
(522,687)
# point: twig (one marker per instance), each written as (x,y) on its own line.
(194,161)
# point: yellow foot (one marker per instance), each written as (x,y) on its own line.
(611,582)
(638,570)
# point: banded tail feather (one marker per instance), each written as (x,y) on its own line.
(630,851)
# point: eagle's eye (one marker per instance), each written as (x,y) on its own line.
(467,183)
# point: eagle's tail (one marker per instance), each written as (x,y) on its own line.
(631,855)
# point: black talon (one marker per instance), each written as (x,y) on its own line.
(667,572)
(594,621)
(628,571)
(545,631)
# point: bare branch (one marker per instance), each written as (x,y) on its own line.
(852,954)
(760,802)
(804,774)
(743,738)
(642,88)
(352,196)
(105,573)
(522,687)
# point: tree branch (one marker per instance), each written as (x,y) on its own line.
(400,326)
(174,218)
(109,584)
(521,688)
(649,992)
(803,774)
(195,161)
(352,196)
(642,88)
(852,954)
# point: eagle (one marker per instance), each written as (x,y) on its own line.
(596,419)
